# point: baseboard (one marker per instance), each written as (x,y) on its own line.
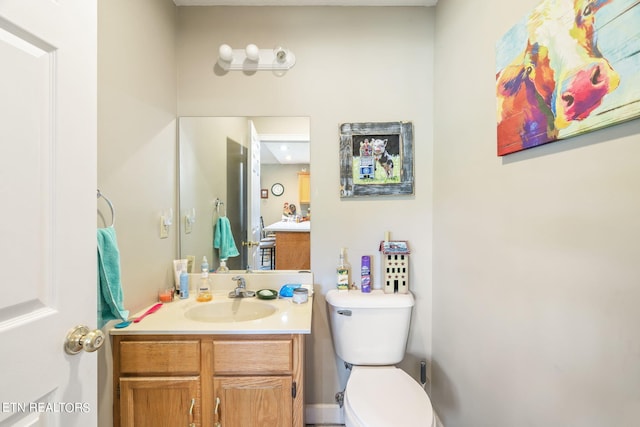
(323,413)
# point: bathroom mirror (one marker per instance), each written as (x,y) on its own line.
(225,164)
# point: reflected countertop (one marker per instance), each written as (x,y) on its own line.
(304,226)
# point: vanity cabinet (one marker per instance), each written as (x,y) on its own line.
(198,380)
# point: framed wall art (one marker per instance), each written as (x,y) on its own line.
(567,68)
(376,159)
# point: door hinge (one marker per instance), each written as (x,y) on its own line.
(118,390)
(294,390)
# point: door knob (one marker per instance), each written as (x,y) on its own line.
(81,338)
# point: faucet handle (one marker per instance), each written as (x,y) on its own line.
(239,280)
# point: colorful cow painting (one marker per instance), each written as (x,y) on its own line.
(554,79)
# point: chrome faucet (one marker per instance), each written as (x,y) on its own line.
(241,288)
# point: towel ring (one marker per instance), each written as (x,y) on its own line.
(219,203)
(113,211)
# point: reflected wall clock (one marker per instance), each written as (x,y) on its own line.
(277,189)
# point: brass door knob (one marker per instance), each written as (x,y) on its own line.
(82,338)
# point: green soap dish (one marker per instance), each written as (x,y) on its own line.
(267,294)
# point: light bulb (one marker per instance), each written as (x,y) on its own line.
(252,51)
(280,54)
(225,52)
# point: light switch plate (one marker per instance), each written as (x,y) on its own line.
(164,229)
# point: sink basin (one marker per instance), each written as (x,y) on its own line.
(240,310)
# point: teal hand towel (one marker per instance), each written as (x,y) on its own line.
(110,296)
(223,239)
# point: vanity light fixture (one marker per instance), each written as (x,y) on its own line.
(252,58)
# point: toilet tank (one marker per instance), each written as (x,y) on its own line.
(369,328)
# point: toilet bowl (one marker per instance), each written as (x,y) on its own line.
(384,396)
(370,332)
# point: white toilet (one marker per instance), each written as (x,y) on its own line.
(370,332)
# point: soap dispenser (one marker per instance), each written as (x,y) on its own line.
(204,293)
(223,267)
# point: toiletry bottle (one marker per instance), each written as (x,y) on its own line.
(343,271)
(204,293)
(223,267)
(184,283)
(365,274)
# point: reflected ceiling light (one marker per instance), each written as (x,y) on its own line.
(252,58)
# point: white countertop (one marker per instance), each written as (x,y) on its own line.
(288,318)
(304,226)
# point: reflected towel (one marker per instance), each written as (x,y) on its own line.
(223,239)
(110,296)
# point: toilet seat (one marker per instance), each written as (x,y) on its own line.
(382,396)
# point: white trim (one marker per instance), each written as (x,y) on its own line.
(322,413)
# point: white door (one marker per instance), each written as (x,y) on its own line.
(254,230)
(47,210)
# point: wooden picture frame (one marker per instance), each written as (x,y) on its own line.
(376,159)
(264,193)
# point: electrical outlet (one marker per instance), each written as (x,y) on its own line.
(164,229)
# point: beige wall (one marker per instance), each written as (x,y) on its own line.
(136,148)
(353,64)
(536,273)
(533,256)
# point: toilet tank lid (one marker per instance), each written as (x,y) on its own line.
(375,299)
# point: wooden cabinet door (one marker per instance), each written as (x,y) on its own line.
(304,187)
(254,401)
(160,402)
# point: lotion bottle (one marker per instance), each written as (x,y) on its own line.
(184,283)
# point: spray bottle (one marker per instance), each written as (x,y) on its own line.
(343,271)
